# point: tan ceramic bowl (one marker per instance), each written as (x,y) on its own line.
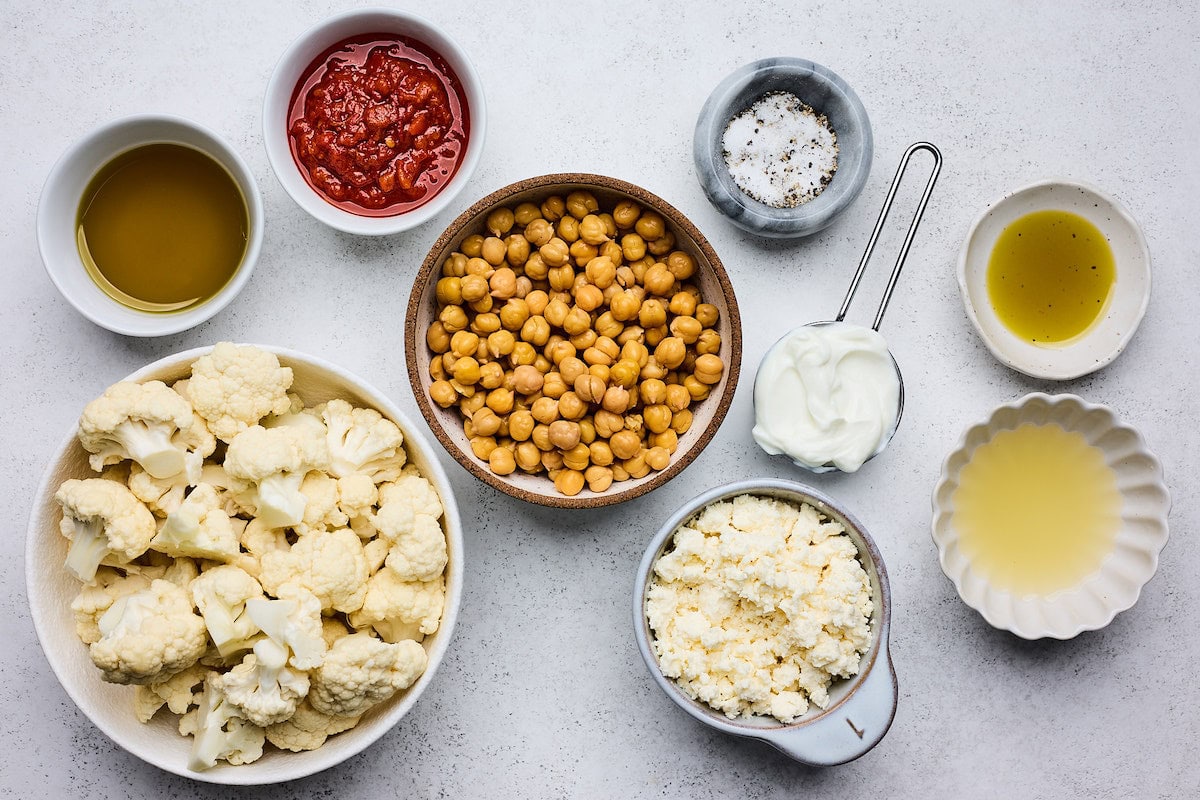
(714,286)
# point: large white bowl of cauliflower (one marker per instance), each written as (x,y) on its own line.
(244,564)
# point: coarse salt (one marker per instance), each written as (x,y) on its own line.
(780,151)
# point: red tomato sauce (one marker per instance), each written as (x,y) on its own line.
(379,124)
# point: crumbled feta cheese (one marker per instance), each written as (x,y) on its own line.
(758,606)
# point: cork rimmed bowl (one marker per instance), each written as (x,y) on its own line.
(710,278)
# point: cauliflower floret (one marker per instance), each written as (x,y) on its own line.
(360,671)
(236,496)
(221,594)
(161,496)
(307,729)
(322,511)
(357,495)
(331,565)
(399,609)
(148,423)
(95,598)
(156,566)
(235,386)
(219,731)
(418,553)
(276,460)
(179,692)
(258,539)
(410,487)
(293,620)
(362,441)
(262,687)
(103,520)
(149,635)
(199,528)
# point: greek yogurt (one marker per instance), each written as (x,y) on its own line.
(827,396)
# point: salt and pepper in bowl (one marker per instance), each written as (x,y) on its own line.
(782,146)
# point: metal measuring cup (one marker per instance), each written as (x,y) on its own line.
(887,294)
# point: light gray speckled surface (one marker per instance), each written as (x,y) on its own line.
(543,692)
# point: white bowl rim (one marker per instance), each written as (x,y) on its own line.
(283,165)
(311,761)
(943,536)
(173,322)
(1070,369)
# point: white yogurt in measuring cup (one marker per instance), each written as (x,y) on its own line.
(827,395)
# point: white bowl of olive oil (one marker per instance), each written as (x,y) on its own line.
(1055,277)
(150,225)
(1049,516)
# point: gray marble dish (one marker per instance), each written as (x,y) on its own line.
(828,94)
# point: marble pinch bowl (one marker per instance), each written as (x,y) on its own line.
(1100,344)
(50,590)
(861,708)
(826,93)
(1116,585)
(710,277)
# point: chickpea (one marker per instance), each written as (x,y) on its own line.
(500,343)
(554,386)
(708,369)
(695,388)
(494,251)
(624,373)
(662,245)
(536,331)
(541,438)
(466,371)
(522,353)
(681,422)
(632,348)
(600,371)
(686,328)
(472,246)
(514,313)
(571,407)
(625,306)
(545,410)
(678,398)
(670,352)
(568,229)
(592,230)
(657,418)
(652,313)
(536,268)
(552,461)
(612,251)
(650,225)
(500,221)
(464,343)
(625,444)
(437,337)
(580,204)
(626,213)
(582,252)
(564,434)
(455,266)
(503,283)
(569,482)
(442,393)
(667,439)
(657,458)
(607,325)
(571,368)
(659,280)
(526,213)
(655,335)
(437,368)
(577,321)
(616,399)
(453,320)
(520,424)
(594,355)
(556,312)
(501,461)
(598,478)
(449,291)
(558,351)
(619,473)
(555,252)
(482,305)
(524,286)
(633,247)
(707,314)
(485,323)
(537,300)
(584,340)
(553,207)
(528,457)
(600,453)
(601,271)
(500,400)
(527,379)
(491,375)
(485,422)
(681,265)
(482,446)
(561,278)
(709,342)
(636,465)
(478,266)
(473,287)
(577,457)
(469,405)
(587,297)
(683,304)
(652,392)
(652,370)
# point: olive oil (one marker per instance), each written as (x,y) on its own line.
(1036,509)
(162,227)
(1050,276)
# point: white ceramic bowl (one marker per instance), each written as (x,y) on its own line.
(861,708)
(293,66)
(59,209)
(51,589)
(1105,340)
(1116,585)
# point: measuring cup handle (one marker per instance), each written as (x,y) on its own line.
(850,729)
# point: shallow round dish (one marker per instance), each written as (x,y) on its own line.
(293,66)
(1107,337)
(826,93)
(1116,585)
(860,708)
(51,589)
(711,278)
(58,214)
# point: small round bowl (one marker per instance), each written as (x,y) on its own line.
(110,707)
(293,67)
(58,214)
(860,709)
(711,278)
(826,93)
(1116,585)
(1101,343)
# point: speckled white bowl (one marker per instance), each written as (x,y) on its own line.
(51,589)
(1116,585)
(1104,341)
(861,708)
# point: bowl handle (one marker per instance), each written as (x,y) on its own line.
(851,728)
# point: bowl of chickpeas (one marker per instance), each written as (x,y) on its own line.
(573,340)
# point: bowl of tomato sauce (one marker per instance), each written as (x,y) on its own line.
(374,120)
